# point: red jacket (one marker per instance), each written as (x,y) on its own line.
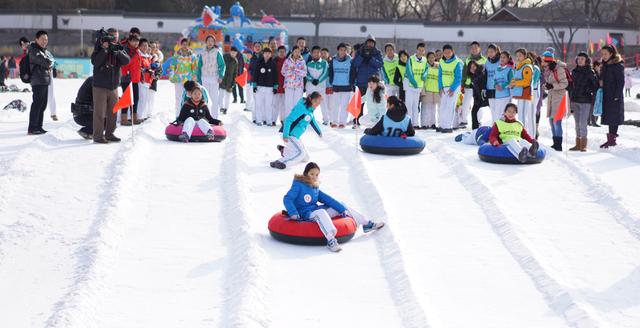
(145,63)
(279,63)
(134,68)
(495,133)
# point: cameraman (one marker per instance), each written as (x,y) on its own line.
(367,62)
(107,58)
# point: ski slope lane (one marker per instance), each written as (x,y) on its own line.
(575,242)
(311,286)
(453,258)
(169,265)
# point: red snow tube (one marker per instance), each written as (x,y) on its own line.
(173,132)
(308,232)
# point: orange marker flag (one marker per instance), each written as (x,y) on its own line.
(355,104)
(125,101)
(562,109)
(242,79)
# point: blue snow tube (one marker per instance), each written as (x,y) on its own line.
(391,145)
(502,155)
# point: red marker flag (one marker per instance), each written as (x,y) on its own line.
(242,79)
(355,104)
(562,109)
(125,101)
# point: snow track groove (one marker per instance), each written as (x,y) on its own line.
(246,290)
(558,298)
(409,308)
(96,254)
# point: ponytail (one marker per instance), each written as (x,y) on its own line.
(397,104)
(312,96)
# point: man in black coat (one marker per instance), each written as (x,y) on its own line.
(107,59)
(40,65)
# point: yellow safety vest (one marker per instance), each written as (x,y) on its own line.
(448,71)
(509,131)
(431,83)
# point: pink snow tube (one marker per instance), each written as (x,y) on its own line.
(173,132)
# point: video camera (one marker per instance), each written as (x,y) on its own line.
(104,36)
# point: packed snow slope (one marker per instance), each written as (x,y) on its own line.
(154,233)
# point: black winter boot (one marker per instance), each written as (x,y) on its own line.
(557,143)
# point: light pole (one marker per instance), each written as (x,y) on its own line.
(81,31)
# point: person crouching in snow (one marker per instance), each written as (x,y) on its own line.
(193,112)
(294,126)
(477,136)
(395,123)
(511,132)
(301,203)
(374,102)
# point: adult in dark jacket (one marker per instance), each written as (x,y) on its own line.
(477,75)
(82,108)
(3,70)
(612,83)
(367,62)
(107,60)
(240,90)
(229,79)
(582,96)
(40,64)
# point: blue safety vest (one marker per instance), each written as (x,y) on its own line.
(393,128)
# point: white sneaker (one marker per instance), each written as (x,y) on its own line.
(334,246)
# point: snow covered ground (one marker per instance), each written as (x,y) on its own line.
(154,233)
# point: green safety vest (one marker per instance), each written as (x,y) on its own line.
(402,70)
(509,131)
(431,83)
(481,61)
(418,68)
(448,71)
(390,69)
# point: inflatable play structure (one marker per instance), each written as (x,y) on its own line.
(237,30)
(391,145)
(173,132)
(308,232)
(502,155)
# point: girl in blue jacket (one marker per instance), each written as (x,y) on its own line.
(301,203)
(294,126)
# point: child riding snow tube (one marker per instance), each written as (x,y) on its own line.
(391,145)
(173,133)
(307,232)
(502,155)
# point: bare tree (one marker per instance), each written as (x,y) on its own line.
(560,17)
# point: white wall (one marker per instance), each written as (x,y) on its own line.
(26,21)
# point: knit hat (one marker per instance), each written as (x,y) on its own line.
(551,50)
(548,56)
(371,37)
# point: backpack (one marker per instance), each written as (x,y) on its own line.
(25,69)
(568,75)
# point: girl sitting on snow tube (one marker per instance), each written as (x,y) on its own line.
(389,136)
(374,102)
(301,203)
(477,137)
(195,112)
(509,142)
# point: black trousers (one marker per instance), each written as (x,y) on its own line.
(86,121)
(239,91)
(474,114)
(39,104)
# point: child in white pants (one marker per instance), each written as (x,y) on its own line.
(447,109)
(51,100)
(301,203)
(195,112)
